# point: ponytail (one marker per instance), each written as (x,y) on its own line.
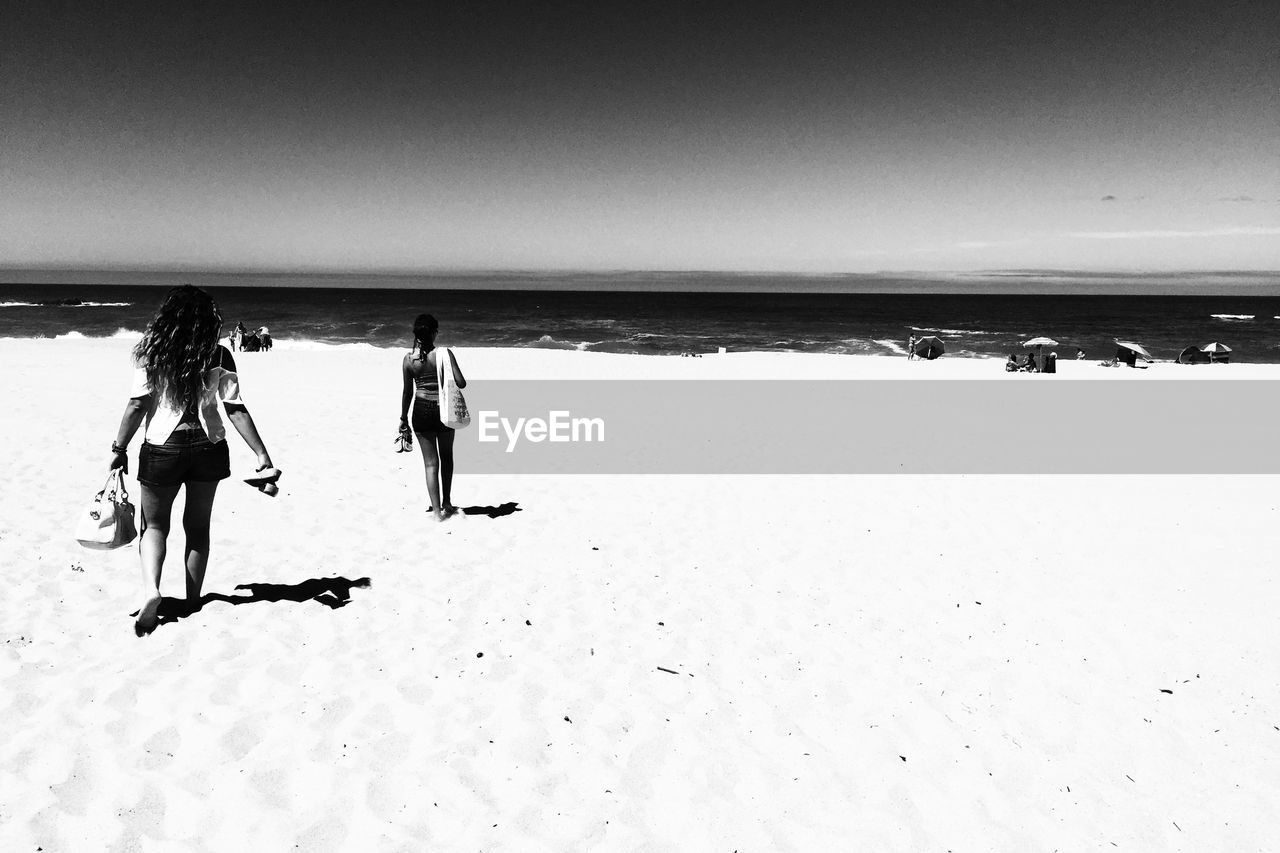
(424,333)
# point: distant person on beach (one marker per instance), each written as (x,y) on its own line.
(264,339)
(237,337)
(422,390)
(911,347)
(1079,354)
(181,374)
(1011,366)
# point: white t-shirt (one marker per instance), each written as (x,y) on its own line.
(221,385)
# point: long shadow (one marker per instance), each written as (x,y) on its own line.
(331,592)
(508,508)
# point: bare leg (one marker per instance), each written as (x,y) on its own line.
(195,523)
(157,504)
(445,440)
(431,462)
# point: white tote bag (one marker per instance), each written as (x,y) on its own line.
(453,406)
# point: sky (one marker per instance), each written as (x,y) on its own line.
(840,137)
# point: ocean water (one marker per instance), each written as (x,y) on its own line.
(671,323)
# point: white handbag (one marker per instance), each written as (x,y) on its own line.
(108,523)
(453,406)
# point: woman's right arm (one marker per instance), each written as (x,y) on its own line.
(134,411)
(406,393)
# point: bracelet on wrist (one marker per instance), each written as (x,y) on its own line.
(116,448)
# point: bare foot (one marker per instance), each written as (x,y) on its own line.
(148,617)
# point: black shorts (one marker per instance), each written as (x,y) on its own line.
(187,457)
(426,416)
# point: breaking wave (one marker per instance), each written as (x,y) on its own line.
(893,345)
(64,303)
(951,331)
(548,342)
(318,346)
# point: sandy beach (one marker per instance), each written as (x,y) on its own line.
(628,663)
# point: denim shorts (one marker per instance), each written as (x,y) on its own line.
(426,416)
(187,457)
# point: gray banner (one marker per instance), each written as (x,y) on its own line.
(870,427)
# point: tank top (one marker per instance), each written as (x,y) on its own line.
(427,385)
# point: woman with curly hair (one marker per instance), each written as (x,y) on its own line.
(421,390)
(181,375)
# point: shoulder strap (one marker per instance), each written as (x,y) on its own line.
(225,360)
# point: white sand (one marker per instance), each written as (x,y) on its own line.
(895,663)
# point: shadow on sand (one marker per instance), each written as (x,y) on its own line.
(331,592)
(507,508)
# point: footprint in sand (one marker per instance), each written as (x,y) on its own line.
(76,793)
(159,749)
(240,738)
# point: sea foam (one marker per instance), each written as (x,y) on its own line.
(893,345)
(548,342)
(321,346)
(59,304)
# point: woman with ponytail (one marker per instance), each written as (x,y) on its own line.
(181,375)
(422,391)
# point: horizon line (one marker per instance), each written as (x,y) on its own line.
(9,273)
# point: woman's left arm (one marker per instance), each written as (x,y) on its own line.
(240,418)
(458,378)
(237,411)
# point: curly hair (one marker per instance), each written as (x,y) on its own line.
(179,345)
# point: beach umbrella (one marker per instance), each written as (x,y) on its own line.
(1214,349)
(930,347)
(1192,355)
(1135,348)
(1040,343)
